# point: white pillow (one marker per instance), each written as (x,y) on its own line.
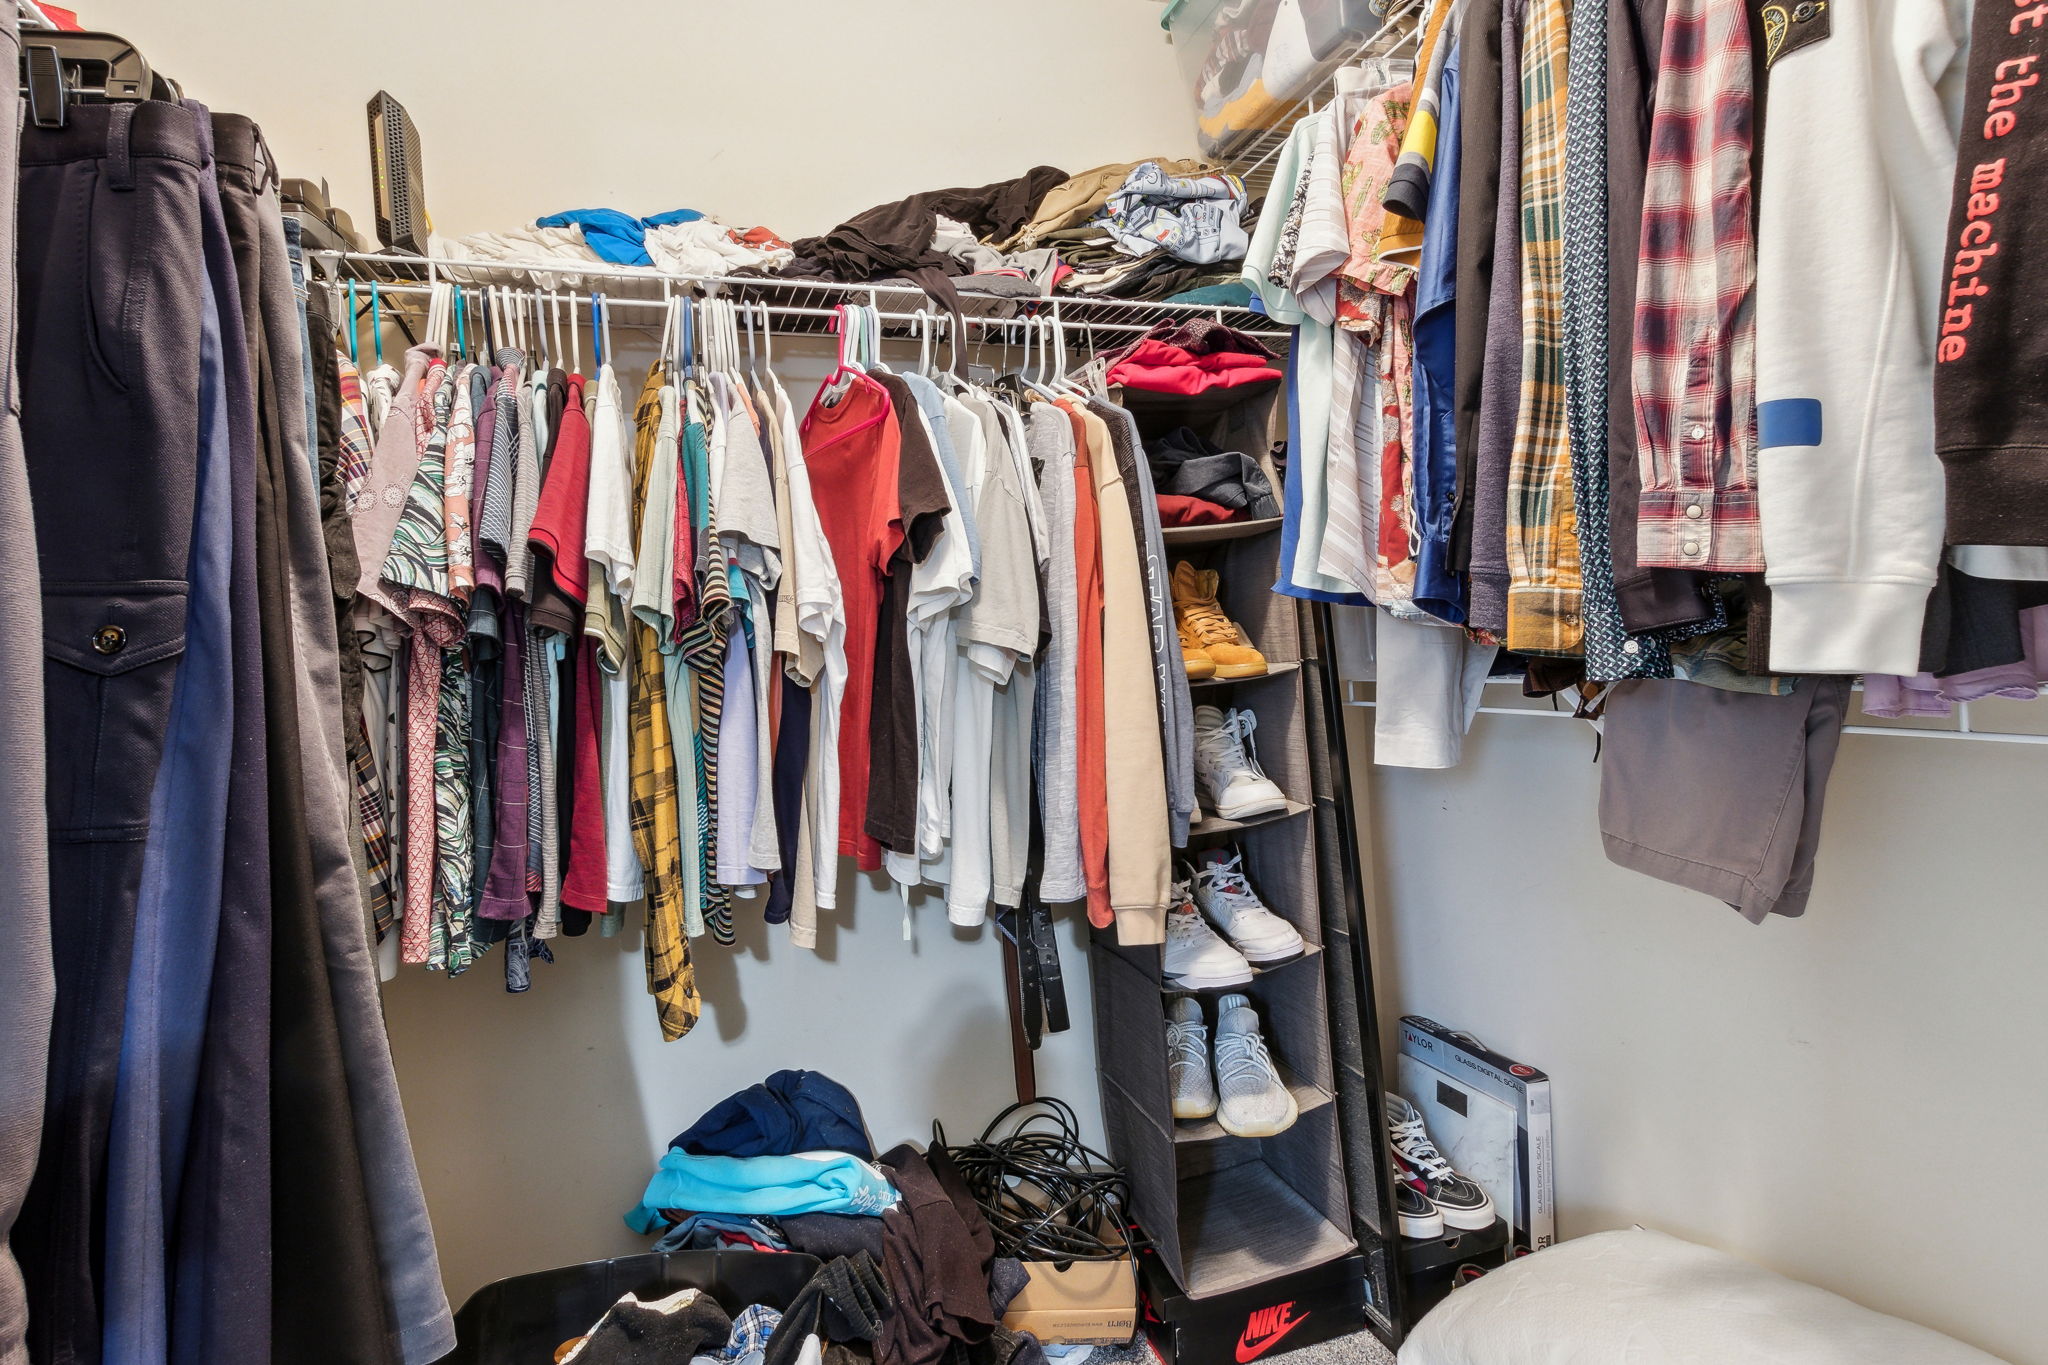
(1642,1298)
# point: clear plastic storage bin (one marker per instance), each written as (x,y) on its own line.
(1247,61)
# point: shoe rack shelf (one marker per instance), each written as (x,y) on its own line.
(1226,1213)
(1307,1096)
(1211,826)
(1181,537)
(1213,685)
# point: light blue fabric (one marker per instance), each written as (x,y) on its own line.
(1290,490)
(1311,363)
(933,404)
(177,913)
(803,1182)
(617,237)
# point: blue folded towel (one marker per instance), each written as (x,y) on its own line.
(804,1182)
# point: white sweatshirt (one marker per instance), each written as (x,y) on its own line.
(1858,155)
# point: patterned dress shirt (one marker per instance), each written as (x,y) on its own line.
(1695,324)
(1542,534)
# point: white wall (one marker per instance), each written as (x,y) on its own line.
(792,113)
(1855,1098)
(537,1118)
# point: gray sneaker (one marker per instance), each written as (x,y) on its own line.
(1252,1100)
(1187,1060)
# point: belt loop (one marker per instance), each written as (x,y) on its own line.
(271,179)
(120,164)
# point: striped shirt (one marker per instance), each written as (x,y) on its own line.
(1695,323)
(1542,537)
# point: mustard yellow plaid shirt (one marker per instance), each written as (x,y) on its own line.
(657,837)
(1543,543)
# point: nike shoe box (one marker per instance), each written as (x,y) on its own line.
(1490,1117)
(1265,1321)
(1431,1267)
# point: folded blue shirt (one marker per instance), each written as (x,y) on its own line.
(804,1182)
(791,1111)
(617,237)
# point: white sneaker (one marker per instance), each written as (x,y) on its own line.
(1195,959)
(1230,904)
(1253,1101)
(1462,1201)
(1187,1060)
(1226,769)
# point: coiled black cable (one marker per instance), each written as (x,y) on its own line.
(1047,1195)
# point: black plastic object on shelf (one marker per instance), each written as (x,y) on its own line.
(523,1319)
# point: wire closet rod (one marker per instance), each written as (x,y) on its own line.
(937,318)
(1963,728)
(389,270)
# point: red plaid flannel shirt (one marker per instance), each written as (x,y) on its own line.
(1695,326)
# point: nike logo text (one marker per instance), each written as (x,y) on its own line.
(1264,1328)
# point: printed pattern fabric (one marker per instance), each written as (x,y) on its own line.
(369,795)
(352,464)
(1611,654)
(1368,165)
(1197,218)
(439,856)
(412,557)
(352,473)
(657,840)
(702,646)
(1290,232)
(1695,323)
(1542,544)
(1376,299)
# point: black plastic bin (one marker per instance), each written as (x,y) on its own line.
(522,1320)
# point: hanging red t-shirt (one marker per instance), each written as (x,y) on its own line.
(560,575)
(583,864)
(853,449)
(1091,733)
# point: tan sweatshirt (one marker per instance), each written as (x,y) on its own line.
(1140,858)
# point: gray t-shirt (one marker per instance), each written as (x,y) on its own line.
(1057,758)
(1176,707)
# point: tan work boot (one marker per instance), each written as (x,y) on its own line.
(1193,657)
(1200,617)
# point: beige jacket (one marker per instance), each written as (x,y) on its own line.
(1140,857)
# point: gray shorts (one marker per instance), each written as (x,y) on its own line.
(1720,791)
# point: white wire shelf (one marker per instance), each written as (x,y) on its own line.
(1252,157)
(1964,727)
(797,305)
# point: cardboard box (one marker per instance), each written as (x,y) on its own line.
(1262,1322)
(1088,1302)
(1490,1117)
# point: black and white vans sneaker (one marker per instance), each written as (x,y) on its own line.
(1461,1201)
(1418,1216)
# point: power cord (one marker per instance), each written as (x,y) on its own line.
(1047,1195)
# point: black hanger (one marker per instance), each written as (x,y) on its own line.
(60,68)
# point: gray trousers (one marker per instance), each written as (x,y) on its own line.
(27,984)
(1721,791)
